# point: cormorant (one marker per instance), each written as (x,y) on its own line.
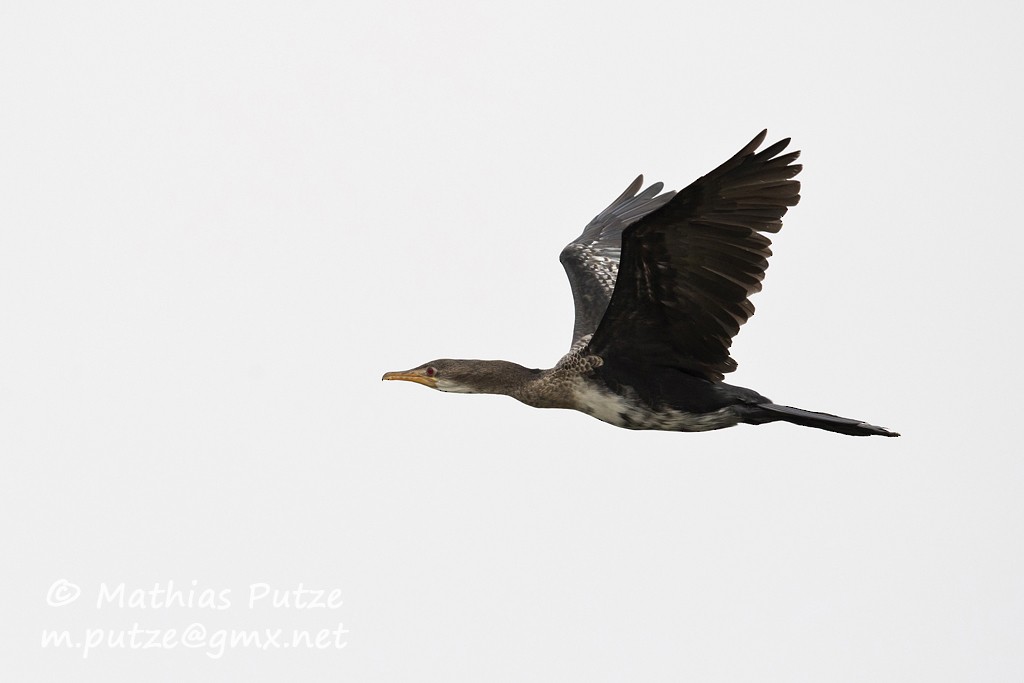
(661,284)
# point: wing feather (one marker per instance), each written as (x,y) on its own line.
(688,268)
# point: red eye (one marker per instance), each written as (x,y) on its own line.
(431,372)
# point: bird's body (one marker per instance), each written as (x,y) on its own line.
(661,284)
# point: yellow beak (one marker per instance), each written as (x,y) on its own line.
(412,376)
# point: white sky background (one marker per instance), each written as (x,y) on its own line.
(221,222)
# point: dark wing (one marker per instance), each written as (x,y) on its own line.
(687,270)
(592,260)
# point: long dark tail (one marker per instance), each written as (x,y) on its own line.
(769,412)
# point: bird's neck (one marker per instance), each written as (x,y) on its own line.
(544,389)
(498,377)
(537,388)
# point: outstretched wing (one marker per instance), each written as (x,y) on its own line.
(688,269)
(591,261)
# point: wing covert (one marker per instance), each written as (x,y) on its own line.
(591,260)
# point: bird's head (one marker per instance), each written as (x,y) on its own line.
(467,376)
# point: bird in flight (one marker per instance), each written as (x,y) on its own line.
(662,283)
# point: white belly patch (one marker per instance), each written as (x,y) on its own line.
(629,412)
